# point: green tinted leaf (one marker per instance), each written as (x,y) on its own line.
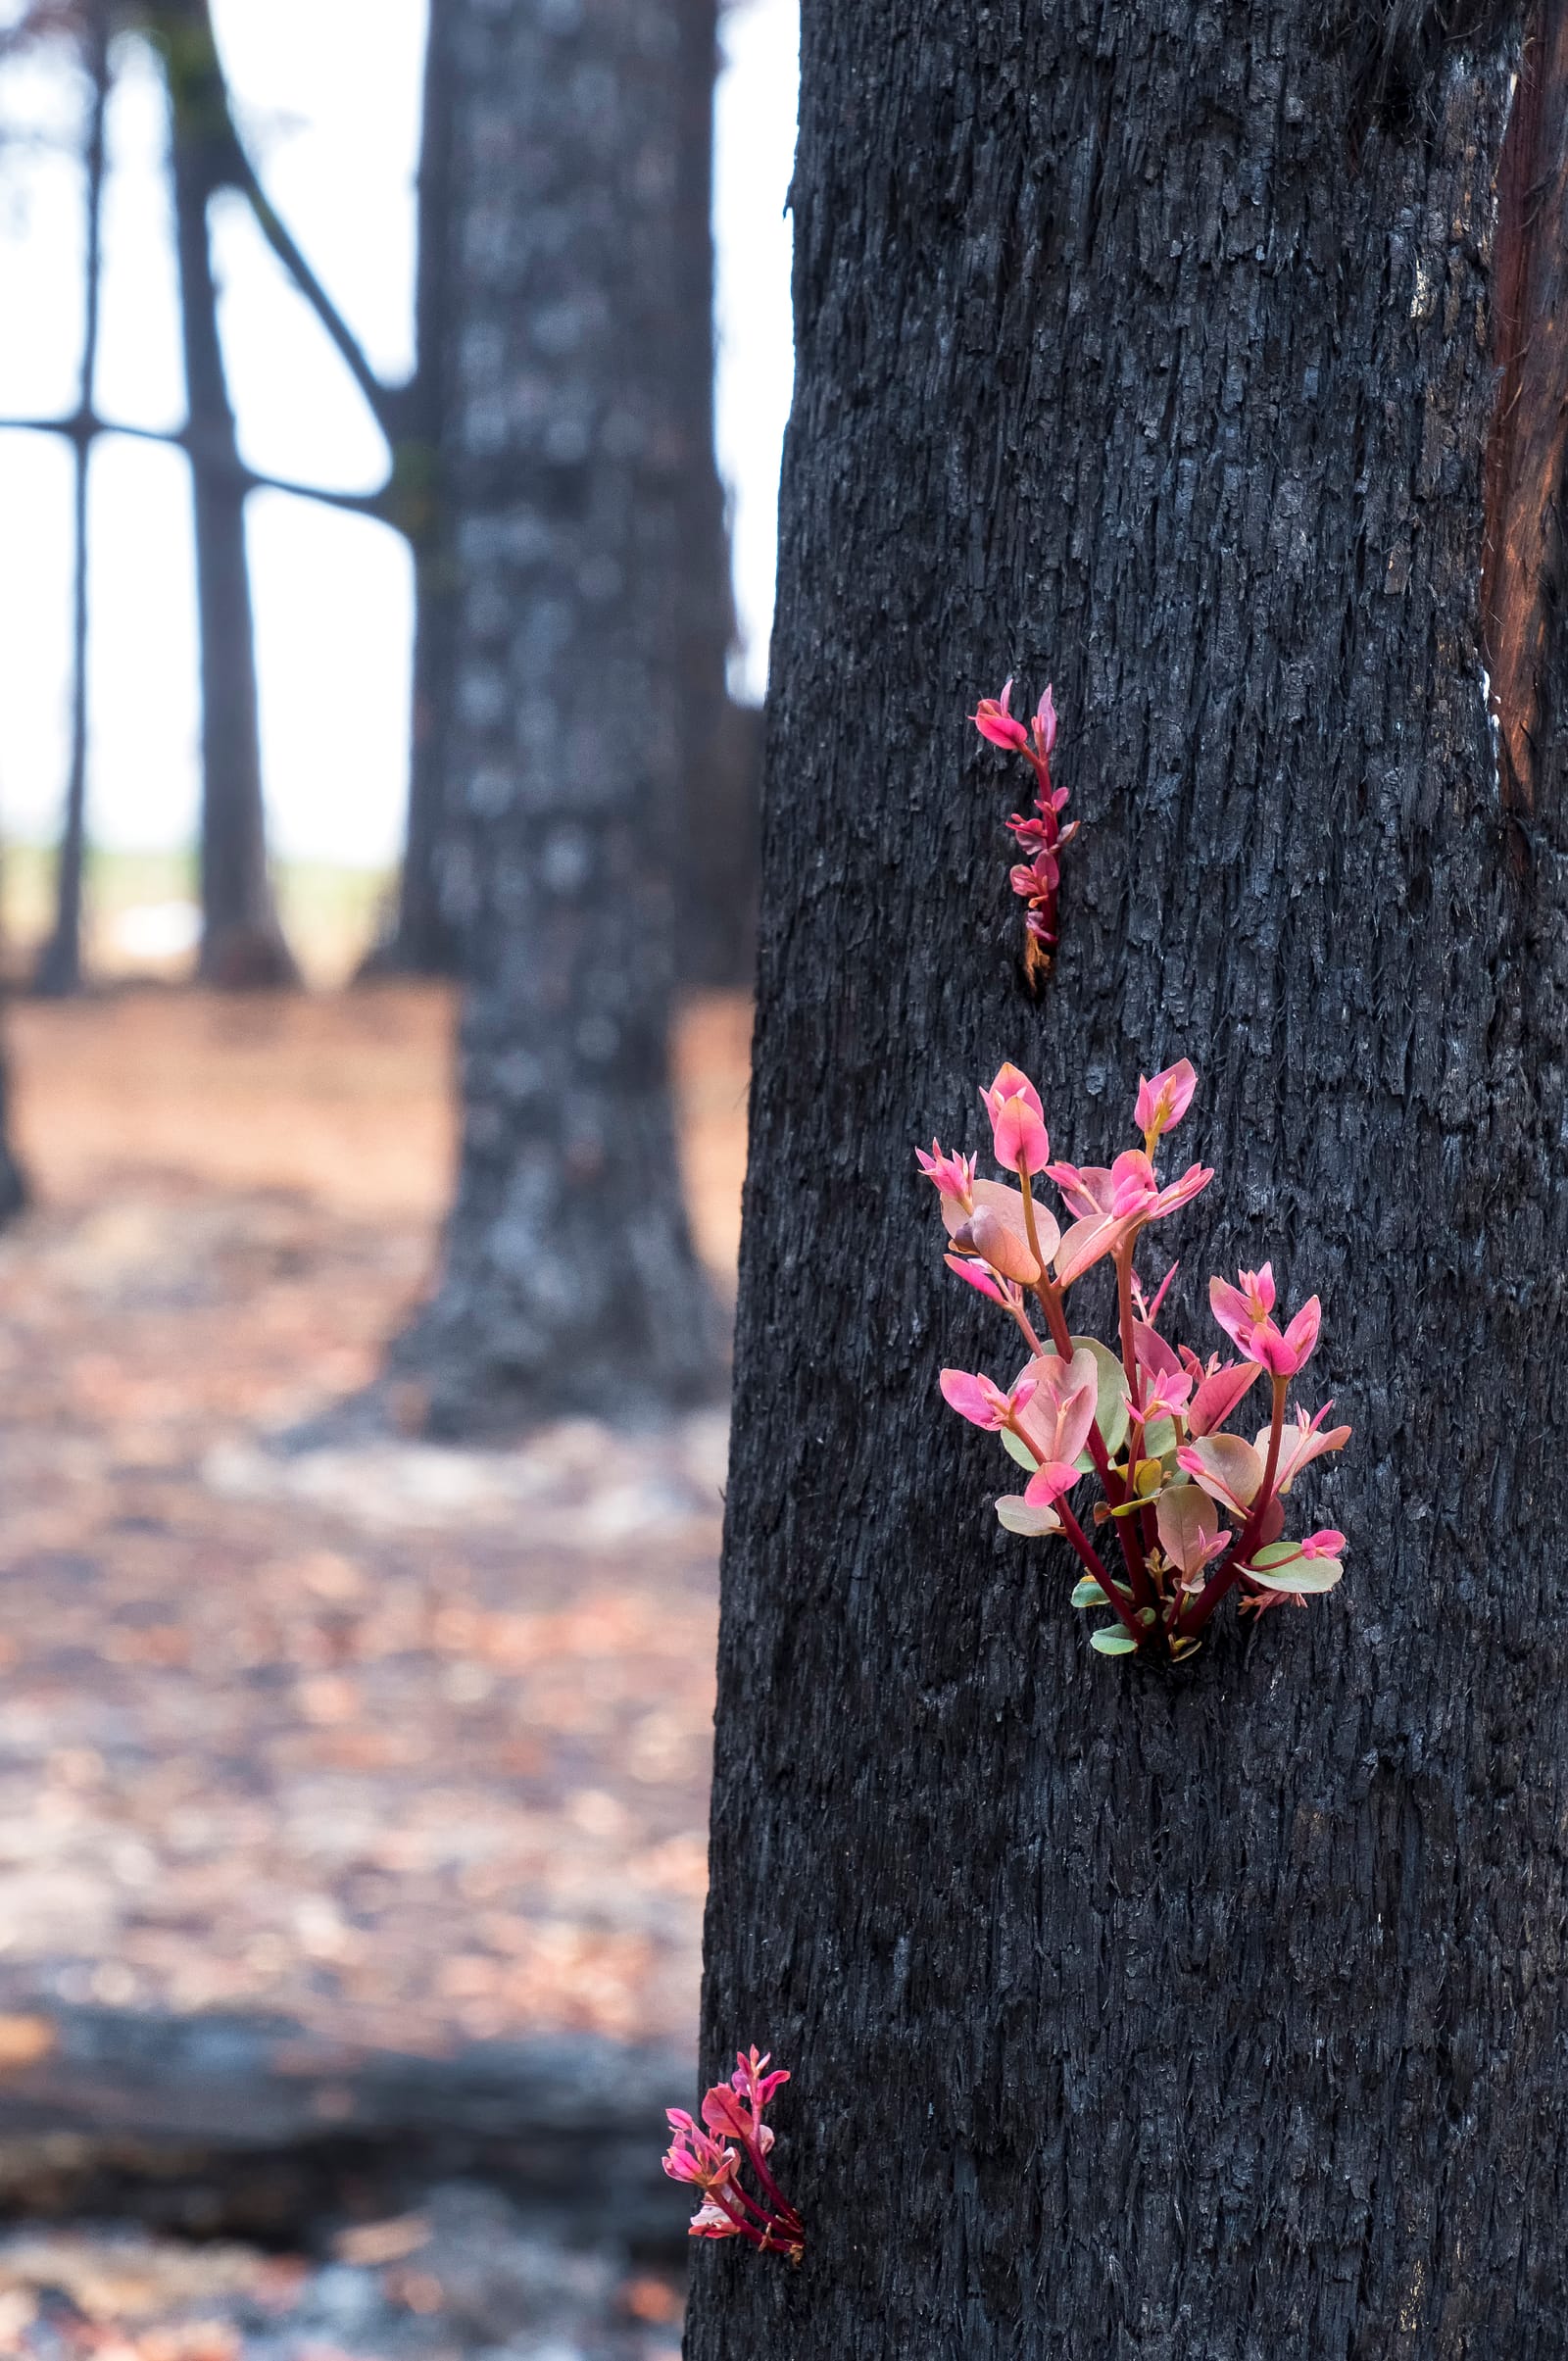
(1112,1641)
(1188,1522)
(1018,1451)
(1304,1574)
(1274,1554)
(1019,1515)
(1111,1414)
(1089,1594)
(1159,1438)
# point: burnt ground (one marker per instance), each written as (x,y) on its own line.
(351,1796)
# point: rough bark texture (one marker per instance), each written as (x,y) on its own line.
(59,969)
(569,1279)
(1213,2015)
(241,942)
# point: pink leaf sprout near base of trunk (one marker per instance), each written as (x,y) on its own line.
(1188,1512)
(732,2137)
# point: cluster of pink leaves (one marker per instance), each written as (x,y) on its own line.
(1040,836)
(1151,1418)
(709,2156)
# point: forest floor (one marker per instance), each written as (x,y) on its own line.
(401,1749)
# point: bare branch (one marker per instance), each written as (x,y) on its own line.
(84,426)
(385,401)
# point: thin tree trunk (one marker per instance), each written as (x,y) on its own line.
(1214,2014)
(420,940)
(716,875)
(570,1280)
(59,968)
(14,1190)
(242,944)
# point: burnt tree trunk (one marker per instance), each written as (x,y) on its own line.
(570,1280)
(242,944)
(1212,2014)
(59,968)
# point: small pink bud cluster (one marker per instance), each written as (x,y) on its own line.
(709,2155)
(1149,1418)
(1041,836)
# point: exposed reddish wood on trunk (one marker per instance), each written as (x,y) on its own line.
(1528,459)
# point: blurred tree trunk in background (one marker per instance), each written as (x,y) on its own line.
(59,968)
(715,885)
(569,1282)
(12,1180)
(1218,2014)
(715,845)
(419,941)
(242,943)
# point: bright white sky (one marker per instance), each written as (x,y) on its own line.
(329,96)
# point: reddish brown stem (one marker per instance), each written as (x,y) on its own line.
(1095,1566)
(1228,1573)
(770,2188)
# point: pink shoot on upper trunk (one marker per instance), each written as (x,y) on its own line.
(1147,1415)
(1163,1102)
(993,721)
(951,1175)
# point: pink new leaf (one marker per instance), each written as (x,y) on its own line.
(1163,1101)
(983,1402)
(1218,1394)
(1188,1527)
(1229,1470)
(1017,1122)
(993,721)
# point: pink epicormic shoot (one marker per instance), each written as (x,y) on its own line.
(710,2156)
(1041,836)
(1188,1512)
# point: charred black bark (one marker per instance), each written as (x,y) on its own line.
(59,968)
(569,1280)
(242,944)
(1216,2014)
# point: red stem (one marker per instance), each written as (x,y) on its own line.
(1091,1560)
(1115,1491)
(1229,1571)
(770,2187)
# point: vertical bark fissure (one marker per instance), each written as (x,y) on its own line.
(1267,2059)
